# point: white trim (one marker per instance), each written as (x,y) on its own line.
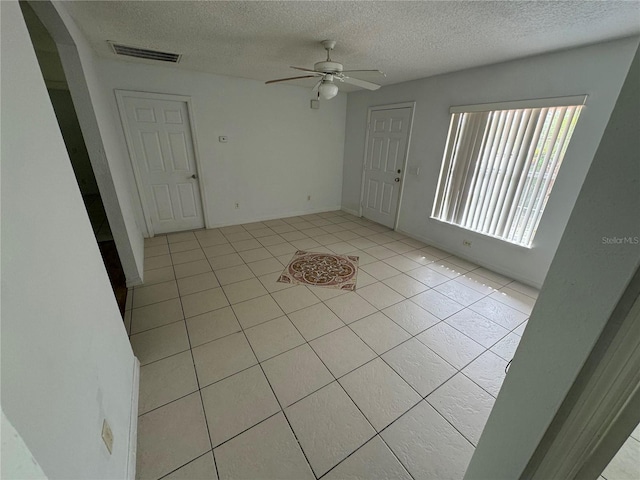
(461,253)
(533,103)
(602,410)
(350,211)
(120,96)
(133,282)
(391,106)
(133,422)
(276,216)
(406,161)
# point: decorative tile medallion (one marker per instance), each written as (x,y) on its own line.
(322,270)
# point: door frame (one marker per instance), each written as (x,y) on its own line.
(120,97)
(602,407)
(370,110)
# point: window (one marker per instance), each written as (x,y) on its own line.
(500,163)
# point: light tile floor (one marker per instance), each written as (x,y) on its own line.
(625,465)
(245,377)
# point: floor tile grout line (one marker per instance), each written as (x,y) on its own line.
(181,397)
(274,393)
(380,310)
(360,447)
(195,372)
(343,389)
(452,425)
(495,397)
(379,355)
(185,464)
(215,464)
(156,327)
(336,379)
(321,301)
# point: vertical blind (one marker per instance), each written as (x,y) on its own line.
(499,167)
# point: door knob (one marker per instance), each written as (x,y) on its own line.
(397,179)
(194,176)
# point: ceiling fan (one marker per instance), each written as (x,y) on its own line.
(328,72)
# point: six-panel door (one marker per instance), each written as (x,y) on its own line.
(384,164)
(160,134)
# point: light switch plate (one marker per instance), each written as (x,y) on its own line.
(222,139)
(414,170)
(315,104)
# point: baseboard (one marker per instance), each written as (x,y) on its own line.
(275,216)
(133,423)
(350,211)
(134,282)
(447,248)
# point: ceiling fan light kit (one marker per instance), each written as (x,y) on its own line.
(328,72)
(327,89)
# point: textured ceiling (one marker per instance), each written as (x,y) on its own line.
(407,40)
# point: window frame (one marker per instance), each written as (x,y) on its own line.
(471,162)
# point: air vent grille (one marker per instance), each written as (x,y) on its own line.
(136,52)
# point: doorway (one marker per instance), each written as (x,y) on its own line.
(62,103)
(386,149)
(159,133)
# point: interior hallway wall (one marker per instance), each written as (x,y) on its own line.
(66,363)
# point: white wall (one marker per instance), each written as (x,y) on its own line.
(279,150)
(596,70)
(66,361)
(17,459)
(107,159)
(584,284)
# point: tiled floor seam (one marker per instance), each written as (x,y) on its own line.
(185,464)
(193,361)
(356,450)
(274,395)
(155,328)
(270,293)
(347,393)
(438,412)
(422,398)
(457,429)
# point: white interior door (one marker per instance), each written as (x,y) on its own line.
(386,149)
(161,143)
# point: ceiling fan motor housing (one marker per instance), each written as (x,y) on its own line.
(328,67)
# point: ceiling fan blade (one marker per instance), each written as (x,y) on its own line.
(290,78)
(307,70)
(360,83)
(369,71)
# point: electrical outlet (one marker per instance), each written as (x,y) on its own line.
(308,198)
(237,205)
(107,436)
(466,243)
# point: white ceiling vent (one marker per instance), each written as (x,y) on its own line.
(137,52)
